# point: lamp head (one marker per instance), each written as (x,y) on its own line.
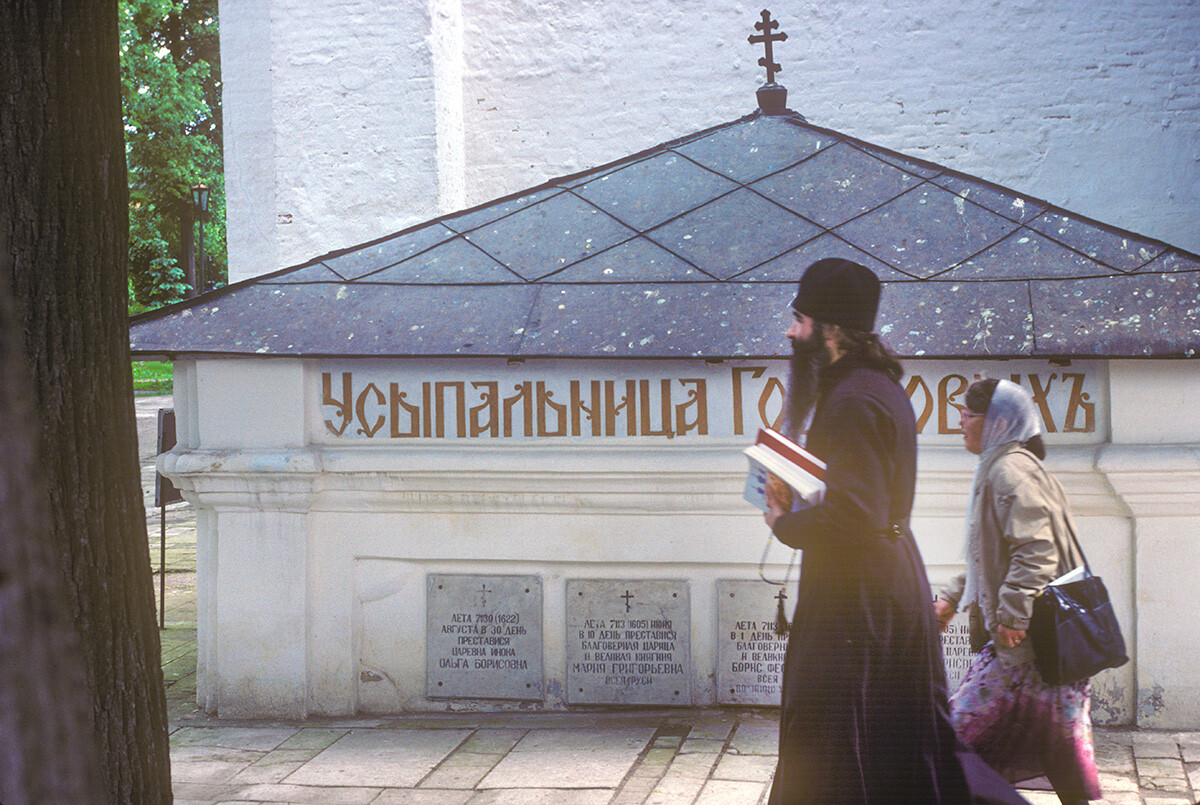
(200,197)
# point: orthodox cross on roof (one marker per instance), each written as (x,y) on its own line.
(767,38)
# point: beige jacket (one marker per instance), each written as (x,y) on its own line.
(1024,542)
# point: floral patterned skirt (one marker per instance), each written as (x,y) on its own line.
(1024,728)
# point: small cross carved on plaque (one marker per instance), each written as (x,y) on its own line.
(767,38)
(483,591)
(628,596)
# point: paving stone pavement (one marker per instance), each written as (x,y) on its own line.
(717,756)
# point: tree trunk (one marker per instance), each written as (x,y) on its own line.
(47,744)
(64,215)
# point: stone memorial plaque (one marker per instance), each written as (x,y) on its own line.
(956,649)
(483,637)
(749,653)
(628,642)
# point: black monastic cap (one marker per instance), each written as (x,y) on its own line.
(841,292)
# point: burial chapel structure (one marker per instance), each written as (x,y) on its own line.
(494,460)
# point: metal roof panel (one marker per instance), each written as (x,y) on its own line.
(694,248)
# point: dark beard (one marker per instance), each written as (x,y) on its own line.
(809,357)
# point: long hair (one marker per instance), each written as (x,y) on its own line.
(868,346)
(810,358)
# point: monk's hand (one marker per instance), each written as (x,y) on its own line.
(779,500)
(1009,638)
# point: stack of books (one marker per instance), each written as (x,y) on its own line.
(775,455)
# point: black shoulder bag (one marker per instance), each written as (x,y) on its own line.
(1074,629)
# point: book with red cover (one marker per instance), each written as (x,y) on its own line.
(774,454)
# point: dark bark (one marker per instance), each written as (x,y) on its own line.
(63,241)
(47,743)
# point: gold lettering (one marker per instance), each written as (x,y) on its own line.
(397,402)
(361,405)
(755,372)
(342,407)
(490,402)
(915,382)
(946,401)
(460,408)
(1039,397)
(426,411)
(1077,401)
(577,408)
(545,400)
(664,405)
(612,408)
(628,407)
(698,398)
(524,395)
(773,385)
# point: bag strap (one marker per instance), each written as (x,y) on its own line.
(1075,539)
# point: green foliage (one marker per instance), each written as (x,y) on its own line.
(152,377)
(171,90)
(135,307)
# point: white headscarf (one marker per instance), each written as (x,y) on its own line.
(1011,417)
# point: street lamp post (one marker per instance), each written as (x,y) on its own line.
(187,243)
(200,202)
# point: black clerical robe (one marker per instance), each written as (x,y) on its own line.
(865,715)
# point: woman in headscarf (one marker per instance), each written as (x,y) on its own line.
(1017,542)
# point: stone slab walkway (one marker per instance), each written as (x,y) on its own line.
(720,756)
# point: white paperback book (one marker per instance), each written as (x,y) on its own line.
(1073,575)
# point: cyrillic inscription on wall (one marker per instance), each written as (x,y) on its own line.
(628,642)
(956,650)
(481,399)
(483,637)
(749,653)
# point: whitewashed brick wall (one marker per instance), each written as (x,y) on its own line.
(350,119)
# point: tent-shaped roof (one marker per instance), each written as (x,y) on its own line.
(693,249)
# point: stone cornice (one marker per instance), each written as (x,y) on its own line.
(563,479)
(945,476)
(572,478)
(1154,480)
(243,479)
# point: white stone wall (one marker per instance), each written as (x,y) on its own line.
(1153,465)
(312,552)
(347,120)
(330,126)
